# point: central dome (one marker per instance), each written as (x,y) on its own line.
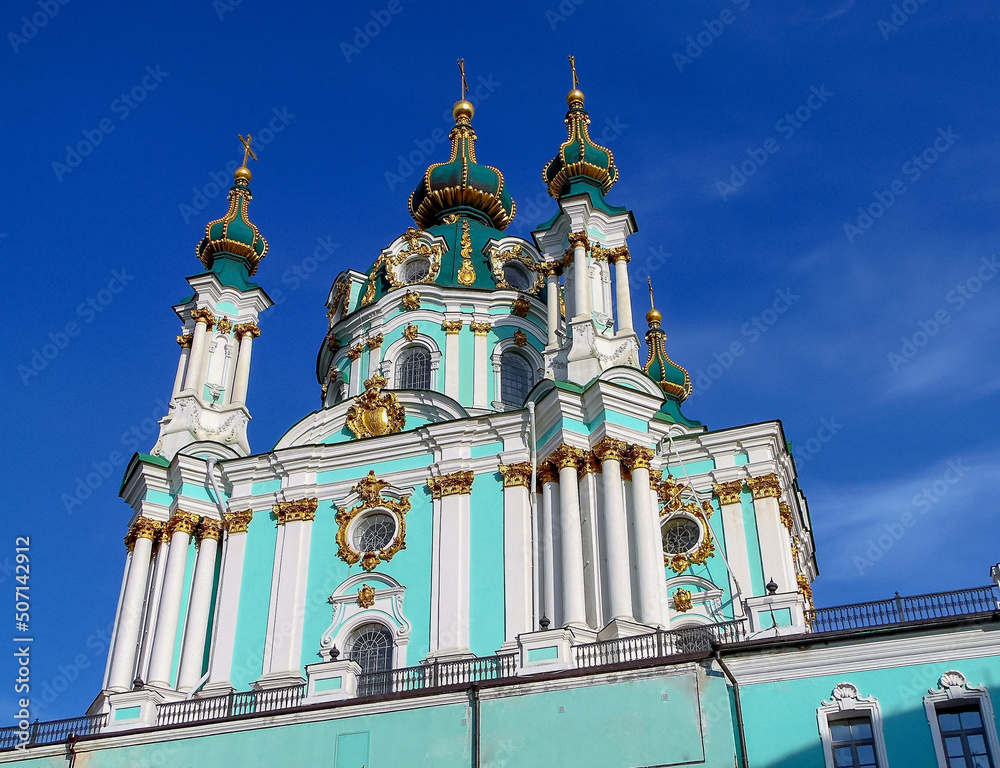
(461,185)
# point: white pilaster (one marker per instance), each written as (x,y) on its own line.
(220,662)
(546,546)
(241,381)
(610,451)
(581,283)
(517,551)
(450,566)
(374,358)
(552,305)
(649,552)
(283,649)
(180,528)
(195,377)
(573,602)
(623,296)
(775,547)
(199,605)
(181,368)
(452,371)
(736,542)
(480,370)
(130,615)
(355,382)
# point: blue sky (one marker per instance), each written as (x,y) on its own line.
(748,138)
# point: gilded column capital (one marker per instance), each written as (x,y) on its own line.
(292,511)
(520,306)
(238,522)
(183,522)
(184,340)
(410,332)
(806,589)
(765,487)
(354,353)
(655,478)
(547,473)
(246,329)
(785,510)
(142,528)
(480,328)
(375,340)
(613,255)
(332,343)
(588,466)
(516,475)
(452,326)
(566,456)
(639,457)
(204,315)
(225,325)
(611,449)
(728,493)
(411,300)
(451,485)
(209,529)
(578,238)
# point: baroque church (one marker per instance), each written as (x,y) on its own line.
(500,541)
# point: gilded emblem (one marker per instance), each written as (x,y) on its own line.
(411,300)
(682,600)
(366,596)
(375,412)
(466,272)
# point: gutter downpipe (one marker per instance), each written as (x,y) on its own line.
(474,694)
(716,646)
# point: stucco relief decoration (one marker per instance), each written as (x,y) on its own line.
(375,412)
(415,247)
(682,600)
(680,501)
(499,259)
(366,596)
(411,300)
(369,490)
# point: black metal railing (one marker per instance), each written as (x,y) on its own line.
(229,705)
(459,672)
(658,644)
(52,732)
(902,610)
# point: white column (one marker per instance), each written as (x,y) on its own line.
(552,305)
(649,551)
(130,615)
(610,452)
(161,550)
(283,646)
(452,373)
(775,548)
(374,345)
(181,365)
(199,606)
(195,377)
(546,546)
(573,594)
(354,355)
(220,663)
(480,369)
(246,333)
(450,566)
(736,541)
(516,550)
(581,278)
(623,297)
(179,530)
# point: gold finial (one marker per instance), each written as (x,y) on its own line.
(653,316)
(243,172)
(463,107)
(576,94)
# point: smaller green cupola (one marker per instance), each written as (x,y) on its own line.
(234,237)
(581,163)
(461,185)
(673,379)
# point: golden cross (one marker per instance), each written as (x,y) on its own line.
(651,304)
(572,65)
(465,84)
(246,148)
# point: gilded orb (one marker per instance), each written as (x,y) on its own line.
(653,316)
(575,95)
(242,173)
(463,108)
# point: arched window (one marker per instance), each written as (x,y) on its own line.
(413,370)
(516,378)
(370,646)
(516,277)
(416,270)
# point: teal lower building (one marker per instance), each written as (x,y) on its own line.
(498,542)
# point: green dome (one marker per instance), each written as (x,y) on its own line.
(234,234)
(462,185)
(579,158)
(673,379)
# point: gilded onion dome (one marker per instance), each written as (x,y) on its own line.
(234,235)
(579,158)
(673,379)
(461,185)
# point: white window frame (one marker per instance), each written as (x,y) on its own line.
(532,355)
(953,688)
(846,702)
(398,347)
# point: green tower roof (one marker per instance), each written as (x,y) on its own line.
(234,236)
(580,162)
(673,379)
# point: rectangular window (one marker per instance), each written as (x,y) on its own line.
(964,737)
(853,743)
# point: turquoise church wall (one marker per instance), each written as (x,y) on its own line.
(486,572)
(255,597)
